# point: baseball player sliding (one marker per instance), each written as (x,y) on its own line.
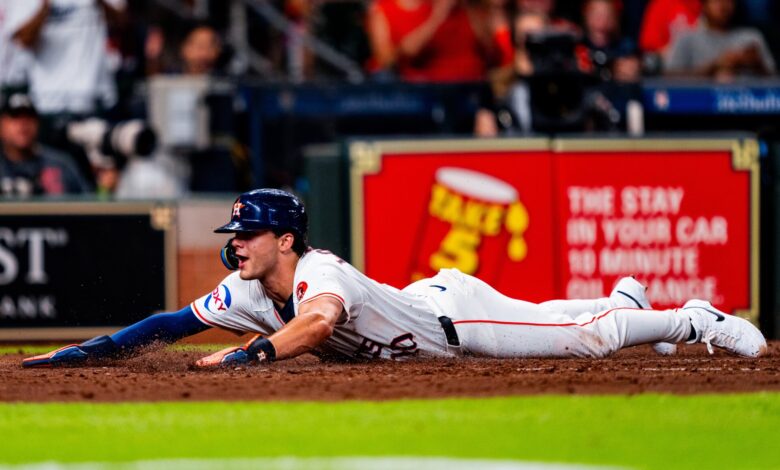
(299,300)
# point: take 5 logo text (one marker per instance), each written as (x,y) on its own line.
(473,221)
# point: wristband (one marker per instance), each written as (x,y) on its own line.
(261,350)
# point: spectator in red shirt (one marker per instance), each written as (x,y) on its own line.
(430,40)
(546,8)
(499,18)
(664,21)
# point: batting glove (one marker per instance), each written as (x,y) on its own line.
(228,357)
(99,347)
(65,356)
(258,349)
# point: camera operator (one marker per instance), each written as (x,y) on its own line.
(546,91)
(506,107)
(614,61)
(121,155)
(26,167)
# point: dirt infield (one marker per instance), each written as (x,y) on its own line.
(169,375)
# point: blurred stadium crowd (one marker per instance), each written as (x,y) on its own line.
(82,79)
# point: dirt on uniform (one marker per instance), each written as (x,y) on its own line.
(170,375)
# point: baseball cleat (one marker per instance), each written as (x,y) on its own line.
(715,328)
(65,356)
(629,292)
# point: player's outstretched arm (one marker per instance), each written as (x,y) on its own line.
(166,327)
(313,325)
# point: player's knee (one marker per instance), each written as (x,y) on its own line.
(599,346)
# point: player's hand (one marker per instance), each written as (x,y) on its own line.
(66,356)
(228,357)
(234,356)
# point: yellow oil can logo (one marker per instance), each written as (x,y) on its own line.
(473,223)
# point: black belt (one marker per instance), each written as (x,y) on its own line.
(449,331)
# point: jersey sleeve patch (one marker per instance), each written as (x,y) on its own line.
(300,289)
(226,306)
(219,300)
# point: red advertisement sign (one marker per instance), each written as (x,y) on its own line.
(541,224)
(678,221)
(424,212)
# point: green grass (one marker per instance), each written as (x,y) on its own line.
(27,349)
(642,431)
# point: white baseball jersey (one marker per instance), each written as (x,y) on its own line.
(239,306)
(380,321)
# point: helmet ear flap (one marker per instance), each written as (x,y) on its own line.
(228,256)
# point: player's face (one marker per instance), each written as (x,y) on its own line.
(257,252)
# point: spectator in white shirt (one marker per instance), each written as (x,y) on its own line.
(70,72)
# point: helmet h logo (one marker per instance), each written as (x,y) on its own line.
(237,209)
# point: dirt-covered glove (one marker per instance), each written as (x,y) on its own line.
(100,347)
(234,356)
(66,355)
(257,350)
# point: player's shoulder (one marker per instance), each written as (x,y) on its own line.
(320,273)
(241,290)
(237,293)
(315,259)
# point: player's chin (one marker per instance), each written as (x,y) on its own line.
(245,274)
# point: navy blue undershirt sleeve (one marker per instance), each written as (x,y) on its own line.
(167,327)
(288,311)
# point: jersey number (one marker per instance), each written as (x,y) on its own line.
(400,346)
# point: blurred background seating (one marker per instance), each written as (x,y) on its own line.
(161,98)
